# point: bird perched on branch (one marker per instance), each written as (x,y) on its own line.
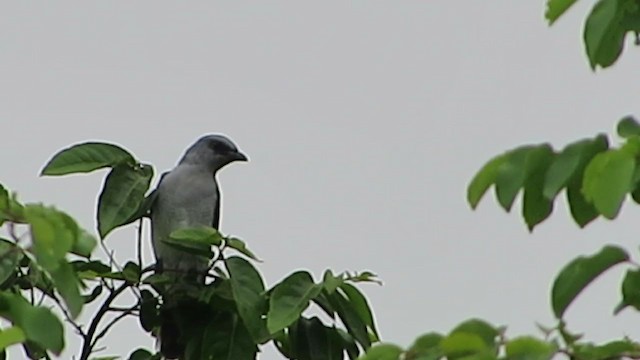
(187,196)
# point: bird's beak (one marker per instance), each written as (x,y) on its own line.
(240,157)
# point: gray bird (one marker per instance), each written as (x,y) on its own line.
(187,196)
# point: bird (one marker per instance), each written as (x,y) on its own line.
(187,196)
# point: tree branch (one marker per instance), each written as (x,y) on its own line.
(88,342)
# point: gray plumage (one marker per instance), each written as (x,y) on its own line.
(188,196)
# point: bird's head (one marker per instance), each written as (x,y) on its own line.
(213,151)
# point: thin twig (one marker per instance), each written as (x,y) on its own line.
(88,343)
(104,331)
(68,317)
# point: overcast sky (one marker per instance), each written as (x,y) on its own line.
(364,122)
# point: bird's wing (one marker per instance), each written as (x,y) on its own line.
(216,210)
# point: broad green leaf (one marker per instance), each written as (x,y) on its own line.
(570,163)
(131,272)
(383,352)
(579,273)
(10,256)
(248,292)
(10,336)
(90,269)
(84,245)
(141,354)
(628,127)
(86,157)
(483,180)
(121,195)
(619,349)
(66,283)
(39,324)
(535,206)
(331,282)
(53,232)
(529,348)
(323,302)
(198,235)
(241,247)
(511,176)
(607,180)
(461,344)
(310,339)
(351,319)
(289,299)
(191,247)
(427,346)
(149,316)
(631,289)
(555,9)
(603,33)
(348,343)
(581,210)
(226,338)
(360,305)
(4,205)
(484,330)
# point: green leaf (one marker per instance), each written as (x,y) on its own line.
(360,305)
(350,318)
(10,336)
(149,316)
(141,354)
(289,299)
(205,235)
(39,324)
(484,330)
(535,206)
(248,292)
(618,349)
(427,346)
(628,126)
(570,164)
(483,180)
(582,211)
(53,232)
(10,257)
(607,180)
(555,9)
(86,157)
(93,295)
(603,33)
(511,176)
(241,247)
(66,283)
(330,282)
(310,339)
(461,344)
(131,272)
(348,343)
(631,289)
(579,273)
(226,338)
(84,245)
(121,195)
(383,352)
(529,348)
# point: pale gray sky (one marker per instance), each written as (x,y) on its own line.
(364,122)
